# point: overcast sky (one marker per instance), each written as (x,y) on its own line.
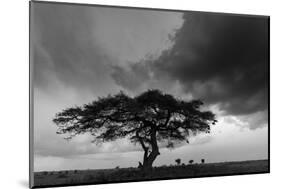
(80,53)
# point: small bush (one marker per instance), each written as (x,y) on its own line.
(178,161)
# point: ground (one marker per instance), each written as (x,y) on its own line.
(73,177)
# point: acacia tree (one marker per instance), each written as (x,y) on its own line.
(146,119)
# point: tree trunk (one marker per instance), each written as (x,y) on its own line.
(147,163)
(148,159)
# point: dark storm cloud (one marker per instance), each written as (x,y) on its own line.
(222,59)
(65,47)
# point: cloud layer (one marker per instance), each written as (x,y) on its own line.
(78,46)
(222,59)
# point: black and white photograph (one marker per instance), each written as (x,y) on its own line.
(122,94)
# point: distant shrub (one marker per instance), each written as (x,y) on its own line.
(75,171)
(178,161)
(183,164)
(202,160)
(191,161)
(117,167)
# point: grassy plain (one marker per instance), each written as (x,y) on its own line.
(74,177)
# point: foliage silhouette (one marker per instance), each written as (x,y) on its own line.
(178,161)
(146,119)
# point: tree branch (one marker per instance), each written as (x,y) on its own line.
(141,142)
(168,118)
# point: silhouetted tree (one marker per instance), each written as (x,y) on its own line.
(146,119)
(191,161)
(202,160)
(178,161)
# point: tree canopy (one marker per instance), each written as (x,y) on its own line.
(146,119)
